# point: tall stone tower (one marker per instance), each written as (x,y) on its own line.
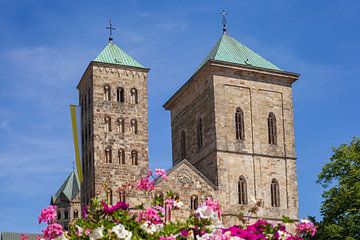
(114,120)
(233,121)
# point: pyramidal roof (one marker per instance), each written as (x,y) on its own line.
(228,49)
(114,55)
(70,188)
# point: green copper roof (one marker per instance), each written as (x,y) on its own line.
(115,55)
(70,188)
(227,49)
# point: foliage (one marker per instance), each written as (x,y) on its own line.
(341,206)
(152,221)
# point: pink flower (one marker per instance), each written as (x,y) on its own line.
(117,206)
(184,233)
(146,184)
(161,172)
(87,232)
(24,237)
(48,215)
(52,231)
(150,215)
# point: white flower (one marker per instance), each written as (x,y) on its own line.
(80,230)
(305,221)
(178,204)
(121,232)
(204,212)
(151,228)
(97,233)
(62,237)
(283,235)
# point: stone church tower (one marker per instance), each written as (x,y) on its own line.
(233,121)
(114,104)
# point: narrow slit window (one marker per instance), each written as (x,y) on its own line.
(121,156)
(242,190)
(275,193)
(107,124)
(120,95)
(108,155)
(134,126)
(134,158)
(194,201)
(272,129)
(239,124)
(107,93)
(134,96)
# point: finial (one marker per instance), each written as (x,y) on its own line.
(110,29)
(224,22)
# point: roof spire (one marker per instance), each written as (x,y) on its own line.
(224,22)
(110,29)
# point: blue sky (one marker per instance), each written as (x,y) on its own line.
(46,46)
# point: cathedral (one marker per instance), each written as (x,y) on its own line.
(232,135)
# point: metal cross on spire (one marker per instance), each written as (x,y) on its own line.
(110,29)
(224,22)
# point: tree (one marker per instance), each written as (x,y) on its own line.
(341,206)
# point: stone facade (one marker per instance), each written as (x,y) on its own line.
(208,158)
(214,93)
(109,157)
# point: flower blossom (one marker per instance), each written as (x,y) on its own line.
(48,215)
(117,206)
(121,232)
(145,184)
(24,237)
(172,237)
(161,172)
(305,228)
(52,231)
(97,233)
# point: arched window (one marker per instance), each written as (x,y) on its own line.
(76,214)
(58,214)
(194,201)
(107,93)
(134,95)
(121,155)
(272,128)
(183,144)
(108,155)
(239,124)
(199,131)
(134,126)
(109,197)
(275,193)
(66,214)
(134,157)
(107,124)
(122,196)
(120,95)
(242,190)
(121,125)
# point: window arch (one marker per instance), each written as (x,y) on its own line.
(134,126)
(122,196)
(58,214)
(272,129)
(107,121)
(76,213)
(134,95)
(120,95)
(66,214)
(199,131)
(194,201)
(108,155)
(121,156)
(239,124)
(121,125)
(134,157)
(183,144)
(109,196)
(242,190)
(107,93)
(275,193)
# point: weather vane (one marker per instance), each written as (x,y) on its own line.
(224,22)
(110,29)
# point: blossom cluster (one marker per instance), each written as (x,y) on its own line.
(153,221)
